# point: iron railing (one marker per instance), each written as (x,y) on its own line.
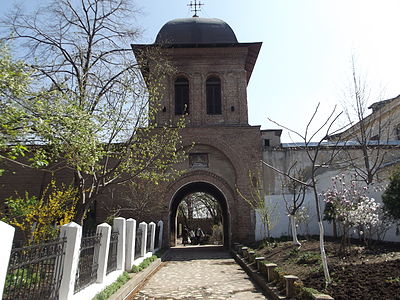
(86,273)
(112,253)
(35,272)
(157,237)
(148,240)
(138,243)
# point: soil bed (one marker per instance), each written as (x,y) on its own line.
(364,273)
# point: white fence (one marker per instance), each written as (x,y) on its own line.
(125,253)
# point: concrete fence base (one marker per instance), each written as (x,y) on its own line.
(70,260)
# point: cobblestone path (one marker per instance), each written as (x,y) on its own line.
(199,273)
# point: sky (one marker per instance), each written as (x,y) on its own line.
(306,54)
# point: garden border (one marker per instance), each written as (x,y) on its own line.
(246,258)
(255,276)
(138,279)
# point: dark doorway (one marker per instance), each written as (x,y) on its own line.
(199,220)
(198,189)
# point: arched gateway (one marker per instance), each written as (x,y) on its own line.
(194,187)
(209,86)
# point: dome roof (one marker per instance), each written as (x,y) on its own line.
(196,31)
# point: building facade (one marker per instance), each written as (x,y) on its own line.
(208,86)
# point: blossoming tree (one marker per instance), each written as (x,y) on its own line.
(348,204)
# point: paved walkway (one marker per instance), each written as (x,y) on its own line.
(199,273)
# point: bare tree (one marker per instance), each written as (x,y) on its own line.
(370,132)
(200,205)
(263,206)
(315,162)
(101,124)
(138,197)
(297,193)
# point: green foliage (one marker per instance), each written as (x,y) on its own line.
(98,116)
(279,279)
(19,206)
(39,218)
(112,288)
(30,117)
(308,258)
(294,252)
(24,277)
(144,264)
(14,80)
(391,197)
(305,293)
(393,280)
(265,208)
(264,244)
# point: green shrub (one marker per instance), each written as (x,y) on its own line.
(391,197)
(308,258)
(112,288)
(135,269)
(305,293)
(294,252)
(144,264)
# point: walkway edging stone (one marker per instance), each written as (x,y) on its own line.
(266,282)
(256,277)
(137,280)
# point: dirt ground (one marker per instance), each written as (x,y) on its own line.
(363,273)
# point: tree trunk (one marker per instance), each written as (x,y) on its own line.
(79,215)
(323,254)
(83,203)
(294,230)
(334,228)
(321,233)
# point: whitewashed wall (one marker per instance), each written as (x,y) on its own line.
(272,182)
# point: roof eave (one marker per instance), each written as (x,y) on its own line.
(251,58)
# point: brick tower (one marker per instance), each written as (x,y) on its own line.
(209,85)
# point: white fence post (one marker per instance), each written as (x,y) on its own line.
(7,236)
(143,227)
(160,233)
(130,243)
(105,230)
(152,228)
(120,225)
(73,233)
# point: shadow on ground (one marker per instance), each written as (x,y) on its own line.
(196,253)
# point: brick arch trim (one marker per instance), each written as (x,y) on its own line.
(197,176)
(209,178)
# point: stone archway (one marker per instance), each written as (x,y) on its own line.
(193,187)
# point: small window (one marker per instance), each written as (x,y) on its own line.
(181,96)
(266,143)
(213,89)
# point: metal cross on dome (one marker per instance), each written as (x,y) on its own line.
(195,7)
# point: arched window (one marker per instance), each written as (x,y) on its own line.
(181,96)
(213,89)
